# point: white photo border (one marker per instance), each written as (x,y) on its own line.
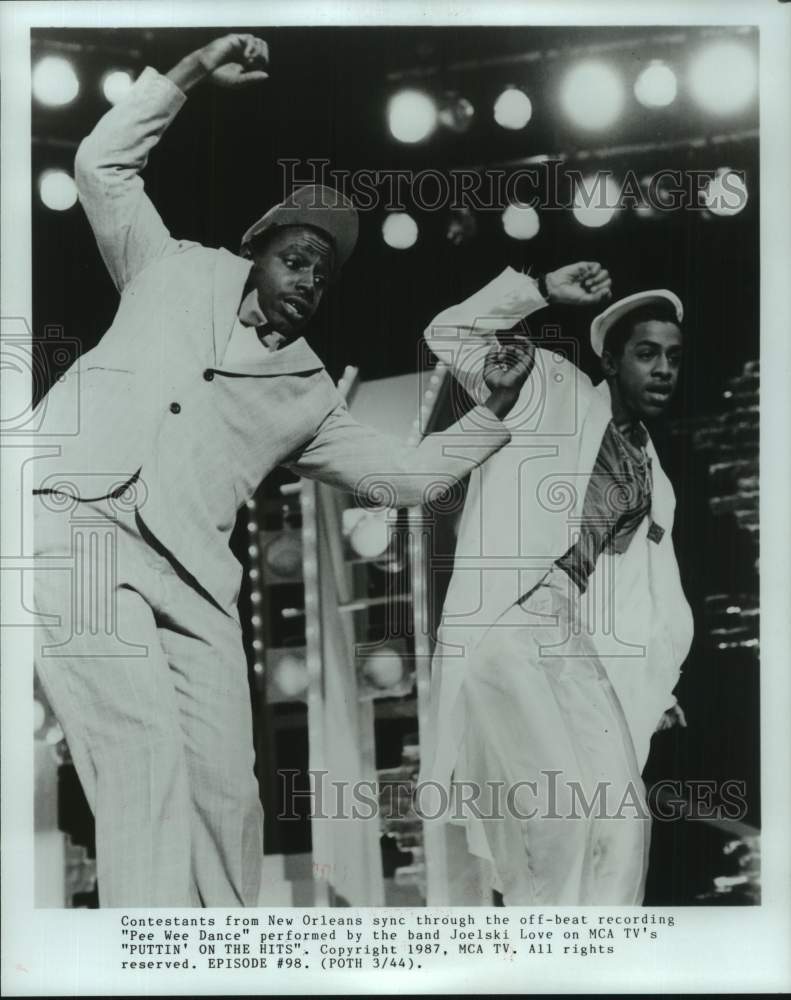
(719,949)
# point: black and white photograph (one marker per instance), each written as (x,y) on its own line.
(395,460)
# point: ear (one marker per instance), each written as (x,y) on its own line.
(609,365)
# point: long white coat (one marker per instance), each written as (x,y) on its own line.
(522,510)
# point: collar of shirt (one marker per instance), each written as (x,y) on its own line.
(250,314)
(634,431)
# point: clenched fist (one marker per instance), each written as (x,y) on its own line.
(236,60)
(586,283)
(231,61)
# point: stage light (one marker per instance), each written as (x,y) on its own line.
(726,194)
(399,231)
(656,86)
(521,222)
(57,190)
(54,81)
(115,84)
(371,536)
(384,668)
(596,200)
(411,116)
(592,95)
(513,108)
(456,112)
(723,77)
(283,554)
(291,675)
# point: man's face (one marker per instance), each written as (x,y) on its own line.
(290,274)
(645,376)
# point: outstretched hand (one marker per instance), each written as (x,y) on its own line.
(585,283)
(236,60)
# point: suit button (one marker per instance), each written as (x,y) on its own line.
(208,375)
(175,408)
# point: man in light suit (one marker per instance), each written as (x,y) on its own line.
(201,386)
(565,624)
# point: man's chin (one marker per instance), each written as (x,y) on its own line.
(653,409)
(288,327)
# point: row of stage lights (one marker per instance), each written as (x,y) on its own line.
(595,204)
(55,82)
(721,77)
(726,195)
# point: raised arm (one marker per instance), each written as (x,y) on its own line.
(386,472)
(128,229)
(463,335)
(383,471)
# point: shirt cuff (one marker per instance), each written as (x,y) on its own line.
(507,299)
(154,86)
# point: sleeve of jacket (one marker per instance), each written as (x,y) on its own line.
(461,335)
(383,471)
(128,229)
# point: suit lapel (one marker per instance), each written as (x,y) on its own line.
(594,425)
(230,275)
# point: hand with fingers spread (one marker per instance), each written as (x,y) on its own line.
(585,283)
(505,370)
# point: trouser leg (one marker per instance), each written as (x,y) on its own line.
(543,720)
(209,670)
(101,664)
(148,678)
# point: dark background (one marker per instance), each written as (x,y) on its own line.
(215,171)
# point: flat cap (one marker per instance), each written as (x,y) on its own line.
(313,205)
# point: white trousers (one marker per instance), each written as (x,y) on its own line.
(148,679)
(563,817)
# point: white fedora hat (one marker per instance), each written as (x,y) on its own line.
(602,323)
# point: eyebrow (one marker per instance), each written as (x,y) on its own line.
(654,343)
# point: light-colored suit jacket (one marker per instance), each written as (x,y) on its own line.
(155,396)
(522,511)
